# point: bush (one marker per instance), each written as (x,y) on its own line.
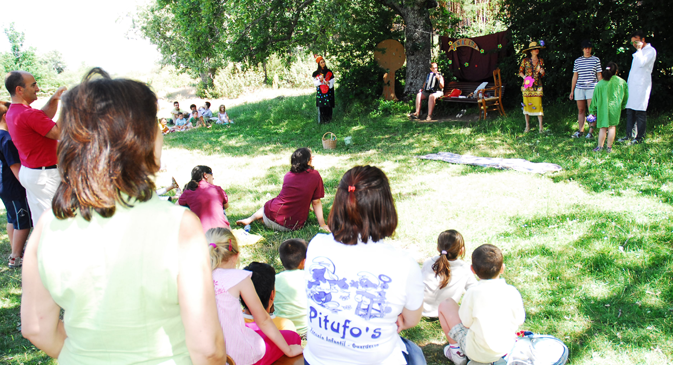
(563,25)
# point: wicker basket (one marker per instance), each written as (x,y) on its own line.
(329,143)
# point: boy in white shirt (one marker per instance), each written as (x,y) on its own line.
(484,327)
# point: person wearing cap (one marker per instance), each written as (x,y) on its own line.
(640,86)
(35,136)
(586,74)
(532,66)
(323,79)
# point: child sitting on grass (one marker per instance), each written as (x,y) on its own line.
(181,124)
(264,279)
(196,120)
(291,298)
(222,117)
(447,275)
(244,345)
(484,327)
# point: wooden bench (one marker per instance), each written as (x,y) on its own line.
(466,88)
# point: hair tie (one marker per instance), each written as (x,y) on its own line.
(351,188)
(607,68)
(231,249)
(444,252)
(214,245)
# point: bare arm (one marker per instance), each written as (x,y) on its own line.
(263,320)
(599,75)
(317,209)
(54,133)
(573,84)
(409,318)
(40,322)
(196,295)
(52,105)
(15,169)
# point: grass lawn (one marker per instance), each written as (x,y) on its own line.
(589,247)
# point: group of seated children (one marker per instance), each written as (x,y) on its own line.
(260,334)
(483,328)
(201,117)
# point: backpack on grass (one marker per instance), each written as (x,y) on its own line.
(532,349)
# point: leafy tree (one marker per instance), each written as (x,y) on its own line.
(54,61)
(188,34)
(19,58)
(250,31)
(563,25)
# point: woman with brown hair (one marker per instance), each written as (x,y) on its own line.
(133,291)
(362,291)
(302,188)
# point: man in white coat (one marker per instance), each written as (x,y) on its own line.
(640,86)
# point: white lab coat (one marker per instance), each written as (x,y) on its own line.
(640,78)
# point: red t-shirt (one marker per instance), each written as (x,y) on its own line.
(28,128)
(207,202)
(290,207)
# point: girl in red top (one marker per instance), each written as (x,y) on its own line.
(206,200)
(302,188)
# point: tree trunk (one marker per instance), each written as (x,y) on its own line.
(418,43)
(266,76)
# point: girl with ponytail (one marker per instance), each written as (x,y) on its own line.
(610,97)
(206,200)
(447,275)
(357,284)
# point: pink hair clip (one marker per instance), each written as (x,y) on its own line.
(231,248)
(351,188)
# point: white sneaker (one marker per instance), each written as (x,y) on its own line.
(455,355)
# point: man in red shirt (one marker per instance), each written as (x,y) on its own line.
(35,135)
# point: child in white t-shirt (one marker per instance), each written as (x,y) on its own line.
(484,327)
(447,275)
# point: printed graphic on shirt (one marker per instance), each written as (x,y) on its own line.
(363,296)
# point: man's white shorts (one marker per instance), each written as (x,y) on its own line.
(40,187)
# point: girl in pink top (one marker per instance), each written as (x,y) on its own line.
(206,200)
(245,345)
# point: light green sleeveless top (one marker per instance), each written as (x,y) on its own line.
(116,279)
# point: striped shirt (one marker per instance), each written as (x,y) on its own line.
(586,68)
(432,82)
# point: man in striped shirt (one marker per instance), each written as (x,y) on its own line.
(586,74)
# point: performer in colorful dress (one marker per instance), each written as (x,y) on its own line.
(323,79)
(531,70)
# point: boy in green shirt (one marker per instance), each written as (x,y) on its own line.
(290,301)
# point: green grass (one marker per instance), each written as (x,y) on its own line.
(589,247)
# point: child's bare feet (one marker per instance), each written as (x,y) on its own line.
(244,222)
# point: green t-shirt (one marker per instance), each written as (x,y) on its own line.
(291,299)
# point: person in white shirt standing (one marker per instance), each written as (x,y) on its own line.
(640,86)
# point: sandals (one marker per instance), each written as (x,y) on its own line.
(15,262)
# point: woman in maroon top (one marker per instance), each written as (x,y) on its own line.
(206,200)
(302,187)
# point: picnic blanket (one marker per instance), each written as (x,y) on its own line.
(517,164)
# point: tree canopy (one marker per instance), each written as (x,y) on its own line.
(203,35)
